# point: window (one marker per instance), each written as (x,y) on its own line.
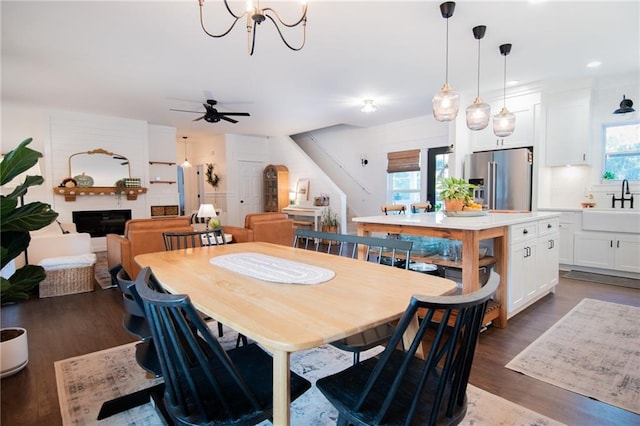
(404,176)
(405,187)
(622,150)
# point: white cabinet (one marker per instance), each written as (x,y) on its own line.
(533,262)
(567,127)
(566,230)
(605,250)
(548,254)
(524,134)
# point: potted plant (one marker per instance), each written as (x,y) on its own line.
(329,220)
(16,220)
(455,192)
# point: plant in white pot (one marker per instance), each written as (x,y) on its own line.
(16,220)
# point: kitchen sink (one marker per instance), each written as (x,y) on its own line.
(611,220)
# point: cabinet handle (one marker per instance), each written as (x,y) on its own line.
(548,226)
(525,232)
(618,244)
(584,157)
(611,243)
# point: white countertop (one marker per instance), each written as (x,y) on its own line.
(439,220)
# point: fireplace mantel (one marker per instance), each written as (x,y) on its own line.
(70,194)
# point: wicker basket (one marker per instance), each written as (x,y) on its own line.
(67,281)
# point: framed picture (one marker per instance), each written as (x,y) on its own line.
(302,191)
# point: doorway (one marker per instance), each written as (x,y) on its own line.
(437,168)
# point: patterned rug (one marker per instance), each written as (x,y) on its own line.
(594,350)
(101,271)
(86,381)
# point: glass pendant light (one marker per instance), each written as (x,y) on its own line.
(186,163)
(446,102)
(505,122)
(479,112)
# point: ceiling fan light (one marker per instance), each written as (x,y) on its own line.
(504,123)
(478,115)
(446,104)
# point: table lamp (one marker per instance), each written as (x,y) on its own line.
(207,211)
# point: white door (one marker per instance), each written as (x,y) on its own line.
(249,187)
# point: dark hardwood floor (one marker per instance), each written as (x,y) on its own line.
(63,327)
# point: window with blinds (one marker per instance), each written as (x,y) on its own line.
(403,185)
(403,161)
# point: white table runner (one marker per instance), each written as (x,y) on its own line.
(273,269)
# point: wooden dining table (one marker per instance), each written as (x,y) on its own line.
(284,317)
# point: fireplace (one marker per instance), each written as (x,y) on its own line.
(99,223)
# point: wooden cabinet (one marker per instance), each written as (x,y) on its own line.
(523,107)
(275,190)
(533,262)
(567,128)
(606,250)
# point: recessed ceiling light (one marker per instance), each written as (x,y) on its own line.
(594,64)
(368,106)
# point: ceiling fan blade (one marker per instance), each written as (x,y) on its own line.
(184,110)
(199,118)
(244,114)
(230,120)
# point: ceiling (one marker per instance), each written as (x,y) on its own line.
(140,59)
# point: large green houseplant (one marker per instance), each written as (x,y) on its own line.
(16,220)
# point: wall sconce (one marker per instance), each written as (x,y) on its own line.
(625,106)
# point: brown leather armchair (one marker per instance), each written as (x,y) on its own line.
(141,236)
(274,228)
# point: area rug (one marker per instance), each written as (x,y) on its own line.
(594,350)
(101,271)
(86,381)
(602,279)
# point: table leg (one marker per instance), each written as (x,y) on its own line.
(281,388)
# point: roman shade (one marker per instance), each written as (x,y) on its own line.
(403,161)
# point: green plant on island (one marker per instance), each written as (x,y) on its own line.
(16,220)
(453,188)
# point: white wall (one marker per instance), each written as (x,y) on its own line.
(58,134)
(566,187)
(339,151)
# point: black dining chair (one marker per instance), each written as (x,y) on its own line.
(204,384)
(399,388)
(385,251)
(135,322)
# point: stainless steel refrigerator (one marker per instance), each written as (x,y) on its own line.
(503,178)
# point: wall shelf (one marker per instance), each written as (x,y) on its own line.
(70,194)
(163,181)
(166,163)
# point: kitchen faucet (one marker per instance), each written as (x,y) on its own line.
(623,191)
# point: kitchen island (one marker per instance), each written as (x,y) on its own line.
(518,238)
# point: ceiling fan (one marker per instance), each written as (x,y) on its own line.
(212,115)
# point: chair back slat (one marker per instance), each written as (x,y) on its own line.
(438,383)
(193,362)
(380,247)
(184,240)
